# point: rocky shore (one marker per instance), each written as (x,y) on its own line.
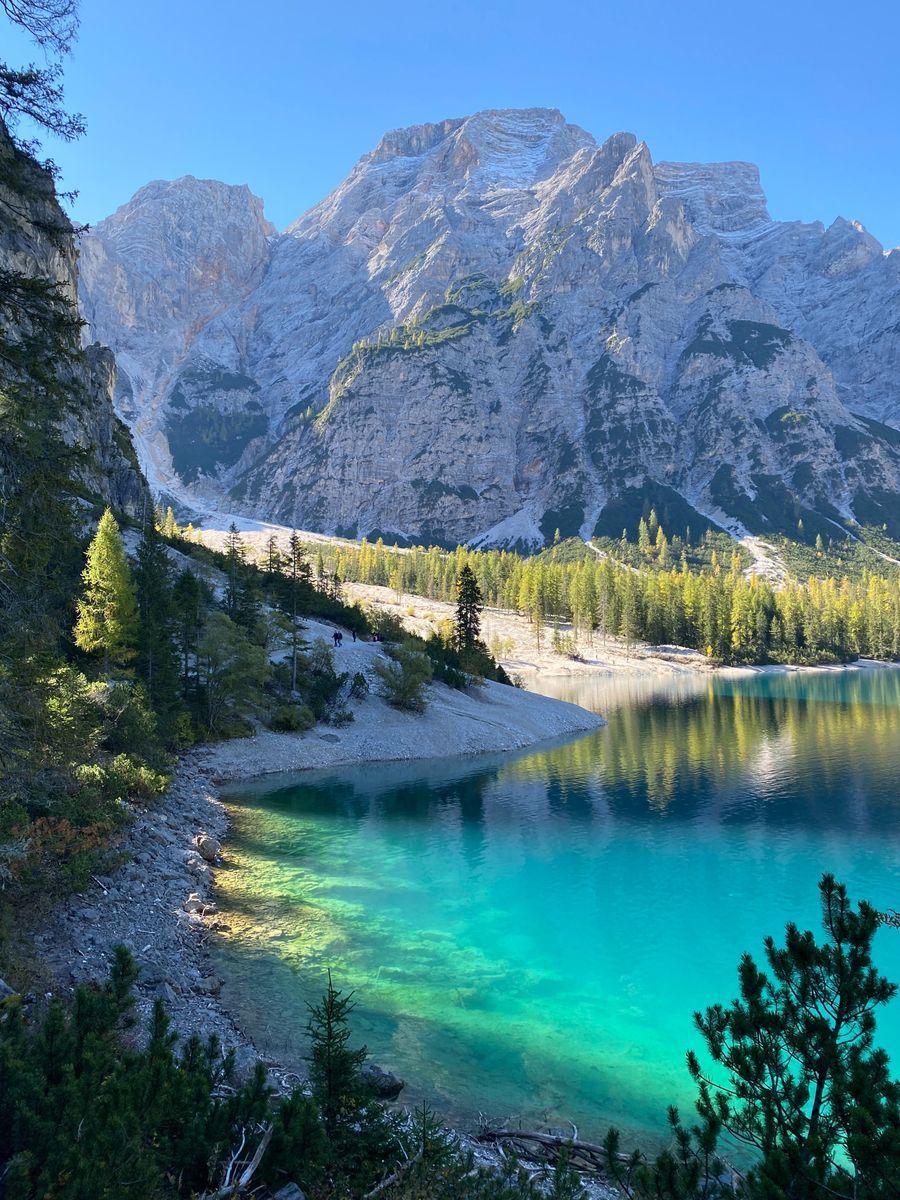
(160,901)
(160,904)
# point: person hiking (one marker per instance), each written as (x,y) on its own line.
(336,638)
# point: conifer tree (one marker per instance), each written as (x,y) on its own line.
(192,598)
(157,660)
(236,557)
(107,622)
(806,1088)
(299,578)
(334,1070)
(643,538)
(469,606)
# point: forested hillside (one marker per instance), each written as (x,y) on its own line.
(661,591)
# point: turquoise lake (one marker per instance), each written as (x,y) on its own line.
(528,935)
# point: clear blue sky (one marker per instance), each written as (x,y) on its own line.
(286,96)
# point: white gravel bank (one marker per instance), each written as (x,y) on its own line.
(485,719)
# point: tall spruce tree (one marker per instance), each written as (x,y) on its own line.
(469,606)
(299,578)
(235,560)
(107,623)
(157,659)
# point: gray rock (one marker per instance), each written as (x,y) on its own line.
(290,1191)
(385,1084)
(5,990)
(208,847)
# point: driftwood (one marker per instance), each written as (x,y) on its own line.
(551,1148)
(397,1175)
(584,1157)
(234,1184)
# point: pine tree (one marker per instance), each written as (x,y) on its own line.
(299,576)
(157,661)
(192,598)
(235,560)
(806,1088)
(643,538)
(469,606)
(107,622)
(334,1069)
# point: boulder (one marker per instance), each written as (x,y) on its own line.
(208,847)
(385,1084)
(290,1191)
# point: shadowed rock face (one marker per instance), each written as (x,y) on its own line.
(37,242)
(495,327)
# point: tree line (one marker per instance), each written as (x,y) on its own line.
(716,609)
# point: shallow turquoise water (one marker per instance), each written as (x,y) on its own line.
(529,935)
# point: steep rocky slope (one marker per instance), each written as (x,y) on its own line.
(37,244)
(495,328)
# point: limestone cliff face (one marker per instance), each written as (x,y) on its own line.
(495,328)
(37,242)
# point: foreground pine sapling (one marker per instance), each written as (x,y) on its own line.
(806,1090)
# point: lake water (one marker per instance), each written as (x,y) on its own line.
(528,935)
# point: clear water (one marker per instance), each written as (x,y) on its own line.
(529,935)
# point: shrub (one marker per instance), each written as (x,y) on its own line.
(292,718)
(388,627)
(403,678)
(322,684)
(359,686)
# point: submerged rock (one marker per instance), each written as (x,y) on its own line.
(385,1084)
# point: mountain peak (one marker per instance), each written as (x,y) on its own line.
(494,323)
(507,144)
(720,197)
(191,195)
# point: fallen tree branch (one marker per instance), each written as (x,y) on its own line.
(232,1188)
(396,1177)
(552,1142)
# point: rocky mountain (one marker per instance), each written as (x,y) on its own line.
(494,328)
(37,248)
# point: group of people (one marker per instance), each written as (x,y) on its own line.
(338,638)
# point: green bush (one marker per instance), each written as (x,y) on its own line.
(403,677)
(359,686)
(388,626)
(292,718)
(123,776)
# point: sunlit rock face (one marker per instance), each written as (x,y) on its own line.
(495,328)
